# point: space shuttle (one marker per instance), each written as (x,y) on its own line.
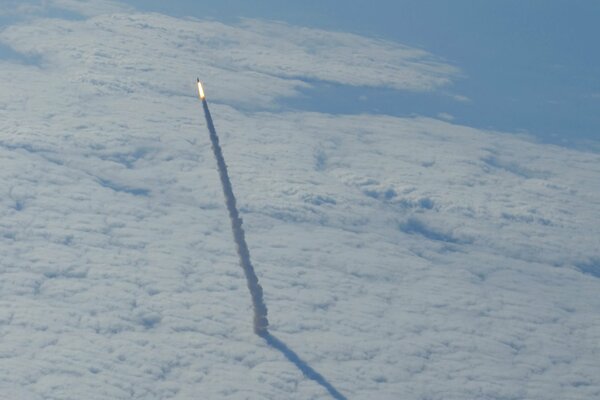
(200,89)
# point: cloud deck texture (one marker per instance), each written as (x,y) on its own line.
(401,258)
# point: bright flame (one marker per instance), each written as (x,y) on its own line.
(200,90)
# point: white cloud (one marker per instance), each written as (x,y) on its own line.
(461,98)
(400,257)
(446,116)
(252,64)
(342,57)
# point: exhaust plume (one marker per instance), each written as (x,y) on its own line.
(261,323)
(260,309)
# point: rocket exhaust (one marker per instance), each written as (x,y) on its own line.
(200,89)
(261,324)
(260,309)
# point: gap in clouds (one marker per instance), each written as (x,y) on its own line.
(409,244)
(529,68)
(591,267)
(337,99)
(7,53)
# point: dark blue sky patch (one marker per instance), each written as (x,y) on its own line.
(7,53)
(515,168)
(124,189)
(416,226)
(529,67)
(591,267)
(550,123)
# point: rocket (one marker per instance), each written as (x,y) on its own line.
(200,89)
(261,322)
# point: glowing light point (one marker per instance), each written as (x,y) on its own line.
(200,90)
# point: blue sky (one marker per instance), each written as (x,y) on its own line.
(528,66)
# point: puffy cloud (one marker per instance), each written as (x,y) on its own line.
(251,64)
(400,257)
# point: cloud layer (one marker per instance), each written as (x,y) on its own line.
(400,257)
(243,63)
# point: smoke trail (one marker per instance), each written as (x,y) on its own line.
(260,309)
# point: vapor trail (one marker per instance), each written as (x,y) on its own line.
(260,309)
(261,323)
